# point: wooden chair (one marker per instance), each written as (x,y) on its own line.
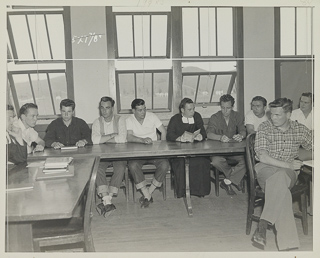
(69,231)
(125,182)
(149,170)
(256,195)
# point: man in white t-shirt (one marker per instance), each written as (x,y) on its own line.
(108,129)
(257,114)
(142,128)
(28,118)
(304,113)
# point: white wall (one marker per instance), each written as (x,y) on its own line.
(258,30)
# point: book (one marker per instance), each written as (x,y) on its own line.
(69,148)
(57,162)
(54,170)
(189,137)
(55,174)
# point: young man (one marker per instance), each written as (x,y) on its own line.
(277,146)
(67,130)
(27,121)
(142,128)
(108,129)
(304,113)
(16,146)
(225,126)
(257,114)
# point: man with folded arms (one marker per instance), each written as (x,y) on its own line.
(142,128)
(277,146)
(67,130)
(225,126)
(108,129)
(27,121)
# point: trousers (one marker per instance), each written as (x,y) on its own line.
(276,183)
(135,168)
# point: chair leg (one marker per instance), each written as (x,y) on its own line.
(164,189)
(216,175)
(133,191)
(126,179)
(304,213)
(244,181)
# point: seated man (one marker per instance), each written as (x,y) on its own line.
(67,130)
(257,114)
(142,128)
(304,113)
(27,121)
(108,129)
(228,125)
(16,146)
(277,146)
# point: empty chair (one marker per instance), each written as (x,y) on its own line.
(256,195)
(69,231)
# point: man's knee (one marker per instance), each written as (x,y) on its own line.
(133,166)
(216,160)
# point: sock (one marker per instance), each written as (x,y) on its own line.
(227,181)
(106,200)
(152,188)
(110,196)
(146,193)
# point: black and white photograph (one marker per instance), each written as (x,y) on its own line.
(155,127)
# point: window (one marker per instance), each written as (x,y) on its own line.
(295,31)
(142,66)
(37,58)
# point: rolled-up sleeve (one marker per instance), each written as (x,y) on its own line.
(96,135)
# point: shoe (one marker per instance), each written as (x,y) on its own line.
(105,210)
(146,202)
(228,188)
(259,236)
(141,199)
(239,186)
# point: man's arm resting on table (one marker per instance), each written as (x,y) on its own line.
(132,138)
(163,132)
(265,158)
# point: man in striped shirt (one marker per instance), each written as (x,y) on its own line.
(277,146)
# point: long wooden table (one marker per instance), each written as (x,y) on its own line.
(158,149)
(49,199)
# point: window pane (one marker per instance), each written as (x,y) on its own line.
(225,31)
(142,35)
(39,36)
(144,88)
(161,90)
(227,66)
(221,88)
(22,85)
(190,31)
(287,37)
(124,35)
(127,91)
(205,88)
(303,31)
(56,34)
(159,35)
(21,36)
(42,93)
(189,86)
(208,31)
(59,88)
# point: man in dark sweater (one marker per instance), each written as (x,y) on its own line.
(67,130)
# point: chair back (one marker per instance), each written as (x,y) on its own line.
(251,161)
(89,246)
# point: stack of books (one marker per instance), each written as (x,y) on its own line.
(59,167)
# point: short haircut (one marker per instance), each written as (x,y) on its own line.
(10,107)
(226,98)
(106,99)
(285,103)
(137,102)
(24,109)
(67,103)
(259,98)
(184,102)
(307,94)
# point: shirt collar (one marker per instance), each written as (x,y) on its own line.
(187,120)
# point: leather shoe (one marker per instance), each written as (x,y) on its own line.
(146,202)
(259,236)
(105,210)
(228,188)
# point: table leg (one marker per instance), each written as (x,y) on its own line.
(19,237)
(187,198)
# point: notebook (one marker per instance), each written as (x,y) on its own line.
(55,173)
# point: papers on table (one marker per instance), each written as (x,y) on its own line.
(189,137)
(69,148)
